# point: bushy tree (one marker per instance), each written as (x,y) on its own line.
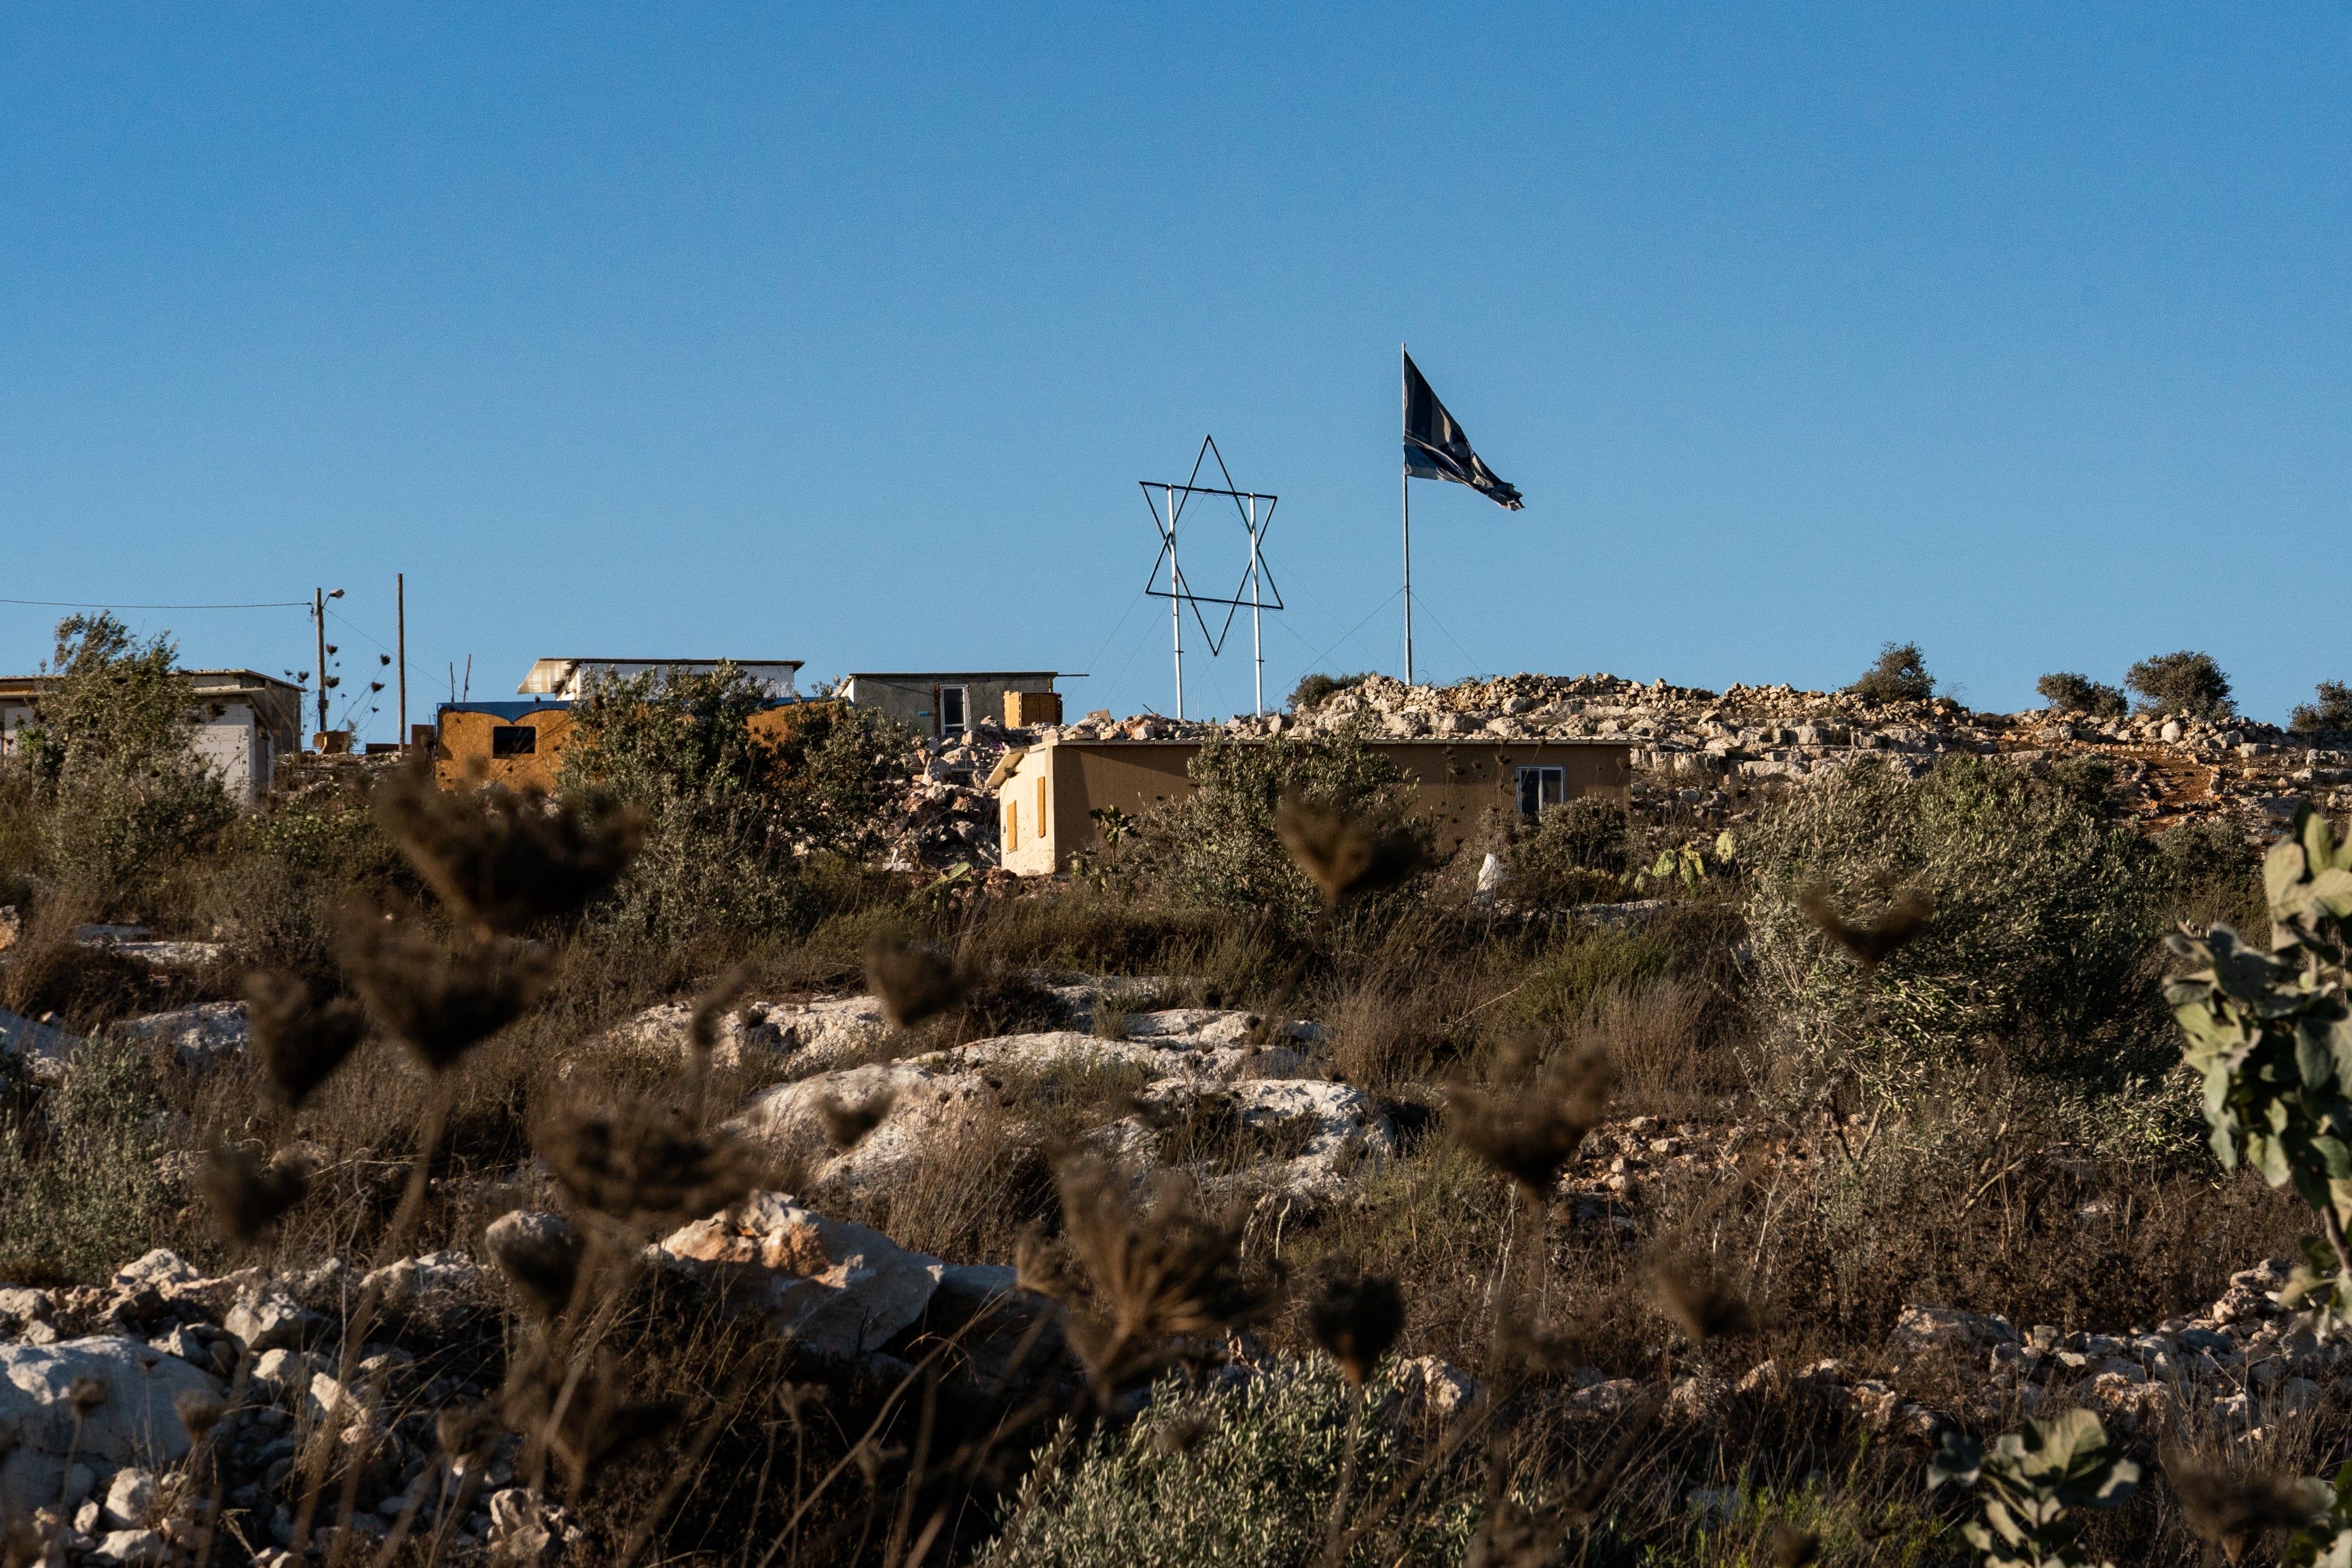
(1575,850)
(2044,912)
(2333,711)
(2183,684)
(731,809)
(1218,847)
(2069,693)
(123,796)
(1899,675)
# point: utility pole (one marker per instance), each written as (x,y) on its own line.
(319,615)
(400,638)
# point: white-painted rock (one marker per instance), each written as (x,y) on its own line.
(841,1290)
(135,1424)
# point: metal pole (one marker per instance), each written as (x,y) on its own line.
(1404,494)
(1258,645)
(319,614)
(400,619)
(1175,604)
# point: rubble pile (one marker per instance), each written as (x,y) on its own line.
(1724,751)
(948,816)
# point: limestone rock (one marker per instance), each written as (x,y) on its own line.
(136,1423)
(1433,1386)
(199,1036)
(270,1320)
(841,1290)
(1931,1331)
(130,1498)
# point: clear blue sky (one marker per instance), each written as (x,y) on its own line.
(844,334)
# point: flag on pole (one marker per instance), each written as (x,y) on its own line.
(1437,448)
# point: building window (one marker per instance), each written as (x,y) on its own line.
(514,740)
(1041,803)
(1541,787)
(952,703)
(1013,824)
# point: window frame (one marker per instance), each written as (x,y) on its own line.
(1550,781)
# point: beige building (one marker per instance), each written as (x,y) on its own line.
(943,704)
(1047,794)
(245,721)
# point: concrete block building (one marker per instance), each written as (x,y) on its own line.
(1047,794)
(245,722)
(943,704)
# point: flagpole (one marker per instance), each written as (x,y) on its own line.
(1257,643)
(1176,604)
(1404,496)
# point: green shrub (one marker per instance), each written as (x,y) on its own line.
(81,1169)
(1253,1489)
(731,813)
(2068,692)
(2088,780)
(2186,685)
(1573,845)
(2044,915)
(1561,984)
(2333,711)
(1217,848)
(1899,675)
(1313,691)
(120,796)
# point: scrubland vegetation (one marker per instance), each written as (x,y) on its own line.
(1902,1042)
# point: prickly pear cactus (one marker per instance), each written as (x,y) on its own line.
(2270,1034)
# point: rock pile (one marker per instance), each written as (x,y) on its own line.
(1707,748)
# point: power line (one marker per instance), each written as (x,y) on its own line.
(75,604)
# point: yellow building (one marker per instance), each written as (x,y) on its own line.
(1047,794)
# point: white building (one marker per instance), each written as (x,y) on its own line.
(568,678)
(245,722)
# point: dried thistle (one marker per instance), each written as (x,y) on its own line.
(299,1039)
(645,1163)
(1793,1547)
(506,859)
(2233,1510)
(1179,1433)
(1531,1131)
(540,1254)
(1703,1308)
(465,1432)
(248,1194)
(1342,854)
(1872,945)
(1356,1321)
(711,1007)
(85,1395)
(914,983)
(598,1423)
(198,1412)
(845,1126)
(440,1004)
(1171,1273)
